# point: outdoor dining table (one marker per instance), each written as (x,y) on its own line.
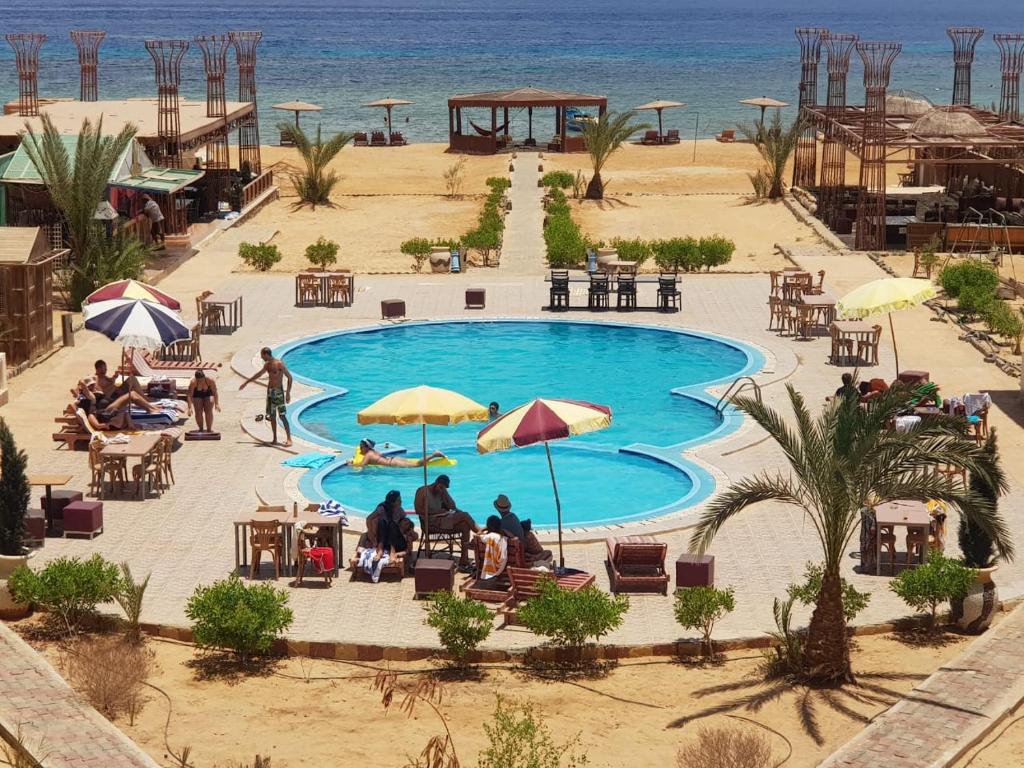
(893,514)
(138,447)
(232,305)
(824,305)
(850,330)
(48,481)
(287,521)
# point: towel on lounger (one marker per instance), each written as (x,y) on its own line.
(309,460)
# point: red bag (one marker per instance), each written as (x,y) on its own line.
(322,559)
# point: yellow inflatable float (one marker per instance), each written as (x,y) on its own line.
(358,458)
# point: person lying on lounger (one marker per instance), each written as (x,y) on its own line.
(368,455)
(114,415)
(106,389)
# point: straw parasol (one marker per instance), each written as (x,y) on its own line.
(947,121)
(764,102)
(888,295)
(659,105)
(388,104)
(541,421)
(297,107)
(906,102)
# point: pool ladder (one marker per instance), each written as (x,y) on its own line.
(735,389)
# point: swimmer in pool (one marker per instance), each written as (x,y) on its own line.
(371,456)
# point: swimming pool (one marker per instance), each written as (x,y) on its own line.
(653,379)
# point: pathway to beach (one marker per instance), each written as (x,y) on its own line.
(522,251)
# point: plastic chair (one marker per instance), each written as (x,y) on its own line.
(265,537)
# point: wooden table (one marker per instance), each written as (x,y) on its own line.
(824,305)
(287,521)
(232,308)
(137,447)
(851,331)
(48,481)
(892,514)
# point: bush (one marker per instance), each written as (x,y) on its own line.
(565,245)
(67,587)
(715,251)
(15,494)
(229,615)
(786,656)
(928,586)
(955,277)
(701,607)
(636,250)
(854,601)
(261,256)
(461,624)
(726,747)
(418,248)
(570,619)
(498,183)
(518,738)
(110,673)
(323,253)
(1002,319)
(677,253)
(129,596)
(975,300)
(557,179)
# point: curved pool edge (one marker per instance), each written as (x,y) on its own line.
(679,513)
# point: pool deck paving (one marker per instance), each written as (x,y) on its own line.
(185,537)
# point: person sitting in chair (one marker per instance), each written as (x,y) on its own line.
(435,505)
(495,546)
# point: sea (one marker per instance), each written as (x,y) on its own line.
(340,54)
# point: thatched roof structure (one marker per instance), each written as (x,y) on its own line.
(947,121)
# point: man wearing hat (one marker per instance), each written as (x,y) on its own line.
(509,520)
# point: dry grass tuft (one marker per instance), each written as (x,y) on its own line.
(726,747)
(110,672)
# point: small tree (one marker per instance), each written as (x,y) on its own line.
(774,143)
(854,601)
(700,608)
(975,542)
(1003,319)
(569,619)
(261,256)
(314,184)
(15,494)
(715,251)
(518,738)
(323,253)
(67,587)
(928,586)
(419,249)
(129,596)
(229,615)
(461,624)
(603,137)
(454,176)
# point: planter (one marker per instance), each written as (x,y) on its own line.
(974,612)
(440,259)
(10,609)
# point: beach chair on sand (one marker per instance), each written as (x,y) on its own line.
(727,136)
(526,584)
(672,137)
(360,140)
(651,137)
(637,564)
(377,139)
(144,365)
(397,139)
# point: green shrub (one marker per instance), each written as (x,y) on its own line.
(955,277)
(677,253)
(570,619)
(129,596)
(261,256)
(518,738)
(854,601)
(229,615)
(461,624)
(557,179)
(636,250)
(68,587)
(1003,319)
(928,586)
(323,253)
(450,243)
(715,251)
(975,543)
(498,183)
(565,245)
(701,607)
(15,494)
(418,248)
(976,300)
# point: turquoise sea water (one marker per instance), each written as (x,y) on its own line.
(633,370)
(340,53)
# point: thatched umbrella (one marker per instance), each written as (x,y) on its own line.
(947,121)
(660,105)
(909,103)
(297,107)
(388,105)
(764,102)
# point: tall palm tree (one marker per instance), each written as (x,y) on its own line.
(842,461)
(314,184)
(775,143)
(77,185)
(602,138)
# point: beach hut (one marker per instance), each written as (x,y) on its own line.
(26,293)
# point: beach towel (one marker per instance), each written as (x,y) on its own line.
(495,555)
(907,423)
(369,566)
(332,508)
(162,418)
(309,460)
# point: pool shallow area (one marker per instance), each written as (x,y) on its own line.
(653,379)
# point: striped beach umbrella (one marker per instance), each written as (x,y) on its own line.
(136,323)
(541,421)
(131,289)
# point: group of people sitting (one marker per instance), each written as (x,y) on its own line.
(390,532)
(924,392)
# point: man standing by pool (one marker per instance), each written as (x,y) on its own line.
(434,504)
(277,396)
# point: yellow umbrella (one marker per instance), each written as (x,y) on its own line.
(888,295)
(423,405)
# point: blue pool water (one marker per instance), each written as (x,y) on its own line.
(633,369)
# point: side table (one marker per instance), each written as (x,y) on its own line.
(434,575)
(695,571)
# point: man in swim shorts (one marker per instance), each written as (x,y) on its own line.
(277,396)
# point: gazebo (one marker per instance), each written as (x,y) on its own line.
(480,140)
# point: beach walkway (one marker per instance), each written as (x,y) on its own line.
(522,250)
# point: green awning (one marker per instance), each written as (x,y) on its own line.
(21,170)
(161,180)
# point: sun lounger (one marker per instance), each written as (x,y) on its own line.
(672,137)
(378,139)
(394,567)
(637,564)
(501,590)
(525,584)
(397,139)
(75,429)
(651,137)
(174,365)
(727,136)
(360,140)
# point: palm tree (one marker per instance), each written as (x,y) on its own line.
(602,137)
(842,461)
(775,144)
(77,186)
(315,183)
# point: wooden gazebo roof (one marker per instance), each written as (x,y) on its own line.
(527,97)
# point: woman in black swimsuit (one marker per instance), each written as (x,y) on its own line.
(202,396)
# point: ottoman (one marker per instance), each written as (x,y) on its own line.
(913,378)
(391,309)
(83,518)
(35,527)
(60,500)
(476,298)
(695,571)
(434,575)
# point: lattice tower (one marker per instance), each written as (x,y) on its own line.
(804,160)
(26,47)
(839,47)
(878,58)
(1011,54)
(964,40)
(167,56)
(248,128)
(88,42)
(218,160)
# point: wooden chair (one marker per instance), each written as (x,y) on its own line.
(338,290)
(805,318)
(637,564)
(148,474)
(818,288)
(526,584)
(360,140)
(209,317)
(727,136)
(669,296)
(651,137)
(397,139)
(308,289)
(265,537)
(598,294)
(777,314)
(776,283)
(887,543)
(917,544)
(491,594)
(841,347)
(559,295)
(309,538)
(672,136)
(377,139)
(115,470)
(867,349)
(164,458)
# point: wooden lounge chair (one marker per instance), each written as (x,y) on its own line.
(395,567)
(727,136)
(637,564)
(672,137)
(470,585)
(141,364)
(75,429)
(287,139)
(360,140)
(377,139)
(651,137)
(397,139)
(525,584)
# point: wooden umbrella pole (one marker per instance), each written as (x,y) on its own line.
(558,505)
(895,351)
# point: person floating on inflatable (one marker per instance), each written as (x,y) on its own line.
(367,455)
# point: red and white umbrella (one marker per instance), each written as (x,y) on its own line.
(541,421)
(132,289)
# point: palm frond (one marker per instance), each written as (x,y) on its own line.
(741,495)
(314,184)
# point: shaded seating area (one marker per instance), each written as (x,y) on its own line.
(659,136)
